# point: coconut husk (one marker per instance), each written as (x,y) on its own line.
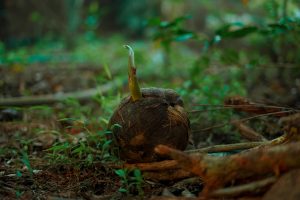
(157,118)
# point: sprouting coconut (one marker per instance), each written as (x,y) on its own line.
(147,118)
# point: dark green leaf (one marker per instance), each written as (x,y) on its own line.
(240,32)
(60,147)
(154,21)
(18,173)
(137,173)
(123,190)
(184,37)
(121,173)
(224,29)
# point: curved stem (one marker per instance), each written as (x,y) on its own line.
(134,88)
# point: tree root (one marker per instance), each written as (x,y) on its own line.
(218,171)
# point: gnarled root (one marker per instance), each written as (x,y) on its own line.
(217,171)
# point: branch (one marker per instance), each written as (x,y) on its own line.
(246,188)
(54,98)
(226,147)
(248,132)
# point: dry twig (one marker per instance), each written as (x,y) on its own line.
(154,166)
(226,147)
(252,187)
(248,132)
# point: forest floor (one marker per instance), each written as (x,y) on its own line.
(34,161)
(58,149)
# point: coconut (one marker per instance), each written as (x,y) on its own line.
(147,118)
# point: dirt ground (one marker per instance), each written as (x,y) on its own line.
(35,164)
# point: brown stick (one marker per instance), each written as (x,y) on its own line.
(244,105)
(217,171)
(50,99)
(154,166)
(246,188)
(248,132)
(226,147)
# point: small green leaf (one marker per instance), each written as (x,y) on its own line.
(116,126)
(121,173)
(153,21)
(242,32)
(25,160)
(18,173)
(60,147)
(78,149)
(216,39)
(107,71)
(184,37)
(223,29)
(137,173)
(90,159)
(18,194)
(123,190)
(104,120)
(106,144)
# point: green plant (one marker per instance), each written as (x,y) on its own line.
(130,180)
(280,28)
(93,147)
(41,111)
(59,153)
(168,32)
(26,162)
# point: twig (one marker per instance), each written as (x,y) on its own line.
(248,132)
(242,120)
(154,166)
(243,106)
(226,147)
(217,107)
(252,187)
(50,99)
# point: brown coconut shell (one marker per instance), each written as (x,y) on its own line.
(157,118)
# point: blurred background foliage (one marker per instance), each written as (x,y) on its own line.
(205,49)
